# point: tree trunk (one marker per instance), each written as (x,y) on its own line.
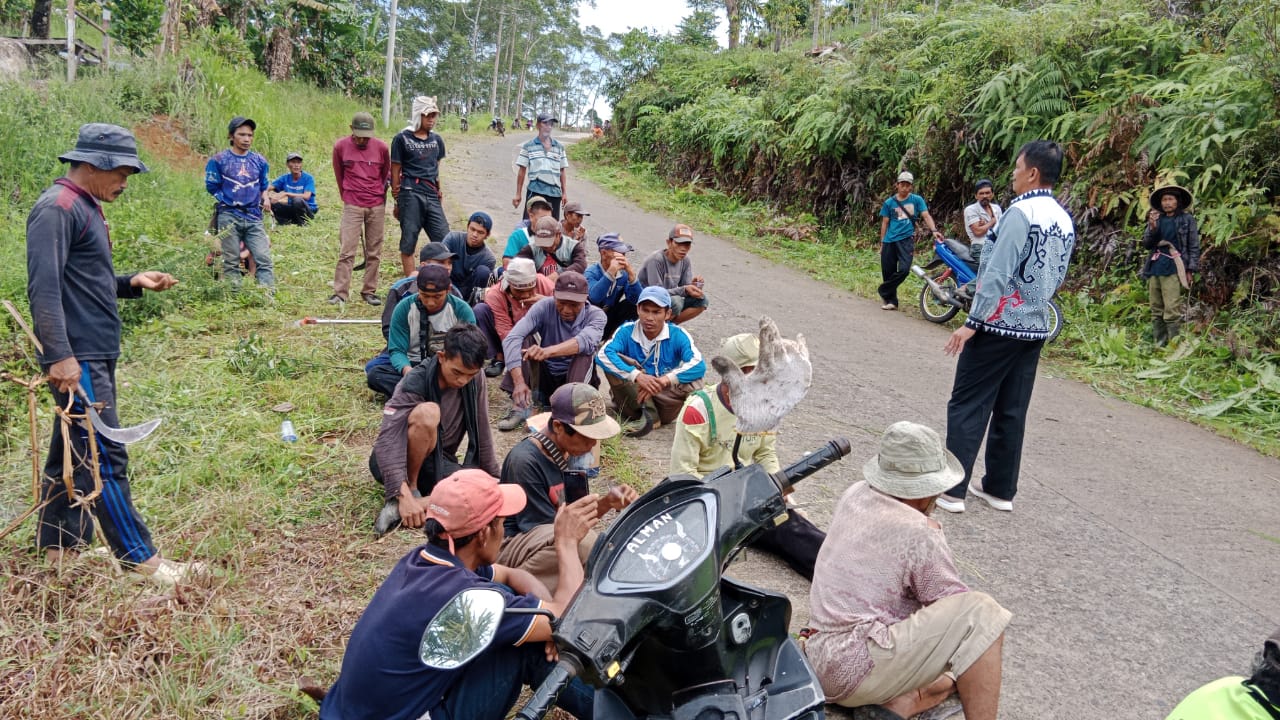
(469,81)
(733,11)
(524,67)
(40,10)
(279,51)
(170,27)
(511,61)
(497,58)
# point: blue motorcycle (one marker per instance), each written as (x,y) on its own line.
(948,292)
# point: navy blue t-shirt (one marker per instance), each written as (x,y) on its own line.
(382,677)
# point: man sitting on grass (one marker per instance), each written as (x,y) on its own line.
(418,325)
(440,401)
(540,464)
(385,673)
(652,365)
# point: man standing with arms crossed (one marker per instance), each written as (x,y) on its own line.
(415,181)
(72,288)
(999,345)
(362,167)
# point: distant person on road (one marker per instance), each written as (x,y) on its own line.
(898,218)
(891,622)
(474,261)
(72,288)
(506,303)
(670,268)
(705,437)
(999,345)
(544,162)
(980,218)
(552,252)
(440,402)
(415,180)
(362,168)
(1236,698)
(652,365)
(1172,238)
(540,463)
(383,675)
(553,344)
(237,179)
(537,207)
(614,286)
(293,194)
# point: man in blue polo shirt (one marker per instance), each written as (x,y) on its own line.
(385,675)
(293,194)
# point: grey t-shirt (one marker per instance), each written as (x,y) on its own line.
(656,270)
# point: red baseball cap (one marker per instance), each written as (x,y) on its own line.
(470,499)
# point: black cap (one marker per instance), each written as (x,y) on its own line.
(435,251)
(239,120)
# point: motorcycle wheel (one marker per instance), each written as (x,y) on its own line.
(1055,321)
(933,309)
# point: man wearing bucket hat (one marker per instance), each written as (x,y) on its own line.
(384,673)
(705,441)
(545,163)
(72,289)
(416,153)
(1237,698)
(237,179)
(577,421)
(613,285)
(892,623)
(1172,238)
(506,303)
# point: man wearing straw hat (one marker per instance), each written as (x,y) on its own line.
(893,625)
(1173,240)
(73,289)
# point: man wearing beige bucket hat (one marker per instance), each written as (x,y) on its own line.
(893,625)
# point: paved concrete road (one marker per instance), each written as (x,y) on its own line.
(1141,558)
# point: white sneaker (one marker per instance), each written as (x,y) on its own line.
(950,504)
(996,503)
(171,572)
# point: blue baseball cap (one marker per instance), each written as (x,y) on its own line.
(611,241)
(655,294)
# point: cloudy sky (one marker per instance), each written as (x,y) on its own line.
(620,16)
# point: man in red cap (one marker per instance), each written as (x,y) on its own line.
(386,672)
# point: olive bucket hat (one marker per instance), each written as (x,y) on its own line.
(105,147)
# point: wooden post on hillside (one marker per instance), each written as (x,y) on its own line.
(106,39)
(71,40)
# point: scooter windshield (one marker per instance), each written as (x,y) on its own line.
(666,547)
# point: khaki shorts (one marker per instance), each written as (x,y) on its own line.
(535,553)
(946,637)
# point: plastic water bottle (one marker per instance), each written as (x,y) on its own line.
(287,432)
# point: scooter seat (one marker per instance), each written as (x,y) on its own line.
(960,249)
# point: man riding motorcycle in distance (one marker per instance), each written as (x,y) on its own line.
(383,675)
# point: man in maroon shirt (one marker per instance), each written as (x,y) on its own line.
(362,167)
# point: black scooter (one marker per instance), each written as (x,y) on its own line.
(656,627)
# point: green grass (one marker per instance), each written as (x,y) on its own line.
(1215,376)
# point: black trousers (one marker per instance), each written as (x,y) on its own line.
(796,542)
(994,379)
(60,524)
(294,212)
(895,266)
(383,379)
(554,202)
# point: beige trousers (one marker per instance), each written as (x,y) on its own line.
(356,220)
(535,553)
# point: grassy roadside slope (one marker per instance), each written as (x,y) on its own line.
(1204,378)
(286,525)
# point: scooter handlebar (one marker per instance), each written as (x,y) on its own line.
(832,451)
(549,691)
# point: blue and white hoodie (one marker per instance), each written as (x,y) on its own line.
(671,353)
(1023,266)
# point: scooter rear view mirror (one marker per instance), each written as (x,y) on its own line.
(462,629)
